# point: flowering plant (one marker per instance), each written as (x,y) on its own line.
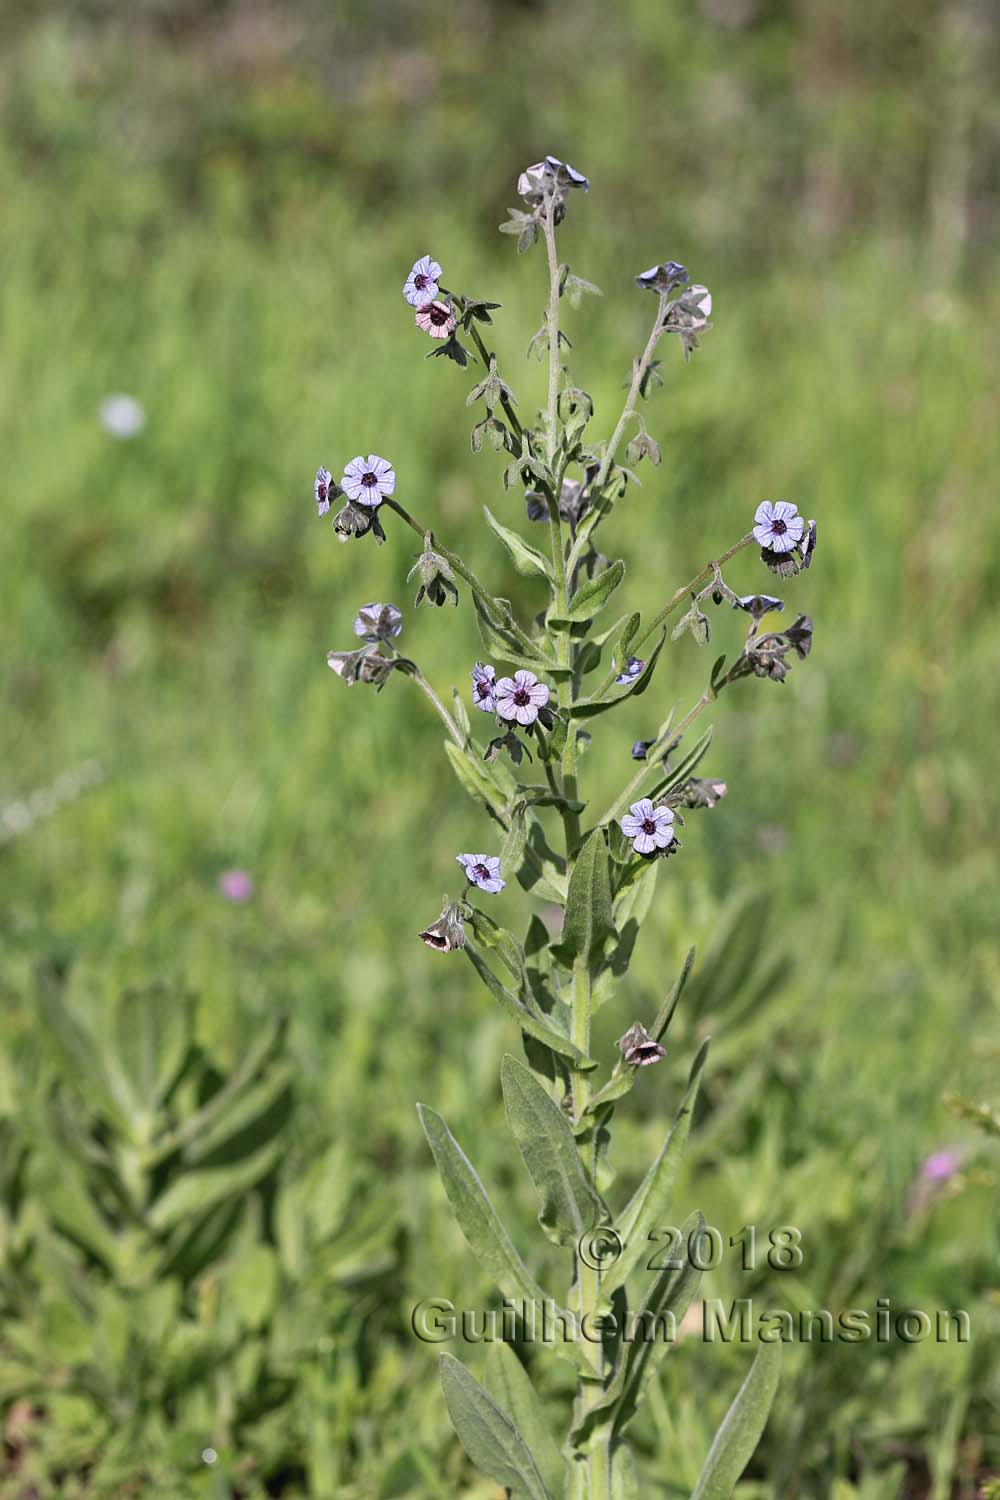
(566,671)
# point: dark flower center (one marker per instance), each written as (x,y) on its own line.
(778,527)
(321,488)
(482,872)
(648,825)
(522,697)
(482,690)
(438,315)
(369,479)
(420,281)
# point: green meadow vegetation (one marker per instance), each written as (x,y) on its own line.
(218,1209)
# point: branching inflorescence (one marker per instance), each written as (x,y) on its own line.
(563,673)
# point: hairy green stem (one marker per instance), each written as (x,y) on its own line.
(449,723)
(552,323)
(564,646)
(614,441)
(638,373)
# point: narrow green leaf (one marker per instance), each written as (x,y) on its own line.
(475,1214)
(679,773)
(734,1443)
(591,597)
(588,921)
(665,1014)
(460,714)
(473,777)
(509,1385)
(79,1058)
(503,637)
(571,1204)
(61,1189)
(150,1039)
(488,1436)
(541,1030)
(251,1117)
(648,1207)
(635,900)
(668,1298)
(526,559)
(512,848)
(196,1192)
(588,708)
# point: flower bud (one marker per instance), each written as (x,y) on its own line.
(448,932)
(638,1048)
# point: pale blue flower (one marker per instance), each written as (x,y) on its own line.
(421,286)
(368,480)
(632,669)
(484,687)
(778,525)
(520,697)
(648,827)
(482,870)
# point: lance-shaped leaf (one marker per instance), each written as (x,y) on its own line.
(590,598)
(647,1209)
(526,559)
(543,1031)
(196,1192)
(508,1383)
(663,1307)
(480,781)
(735,1441)
(684,768)
(665,1014)
(571,1204)
(488,1436)
(588,921)
(475,1214)
(503,637)
(151,1036)
(512,848)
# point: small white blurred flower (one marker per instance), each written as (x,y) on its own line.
(122,416)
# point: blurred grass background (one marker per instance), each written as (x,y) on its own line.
(212,207)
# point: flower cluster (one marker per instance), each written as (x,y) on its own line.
(376,625)
(436,308)
(366,482)
(519,700)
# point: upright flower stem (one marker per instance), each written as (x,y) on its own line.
(614,442)
(449,723)
(588,1278)
(564,648)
